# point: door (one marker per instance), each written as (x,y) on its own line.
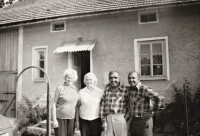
(8,70)
(76,65)
(81,63)
(8,93)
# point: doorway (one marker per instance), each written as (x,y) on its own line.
(81,63)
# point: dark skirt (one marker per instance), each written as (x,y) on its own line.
(90,128)
(66,127)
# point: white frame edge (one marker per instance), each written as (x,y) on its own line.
(33,61)
(136,55)
(20,65)
(148,11)
(55,22)
(91,62)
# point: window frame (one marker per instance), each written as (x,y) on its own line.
(165,52)
(147,13)
(35,51)
(58,22)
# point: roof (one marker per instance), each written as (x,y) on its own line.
(76,46)
(37,10)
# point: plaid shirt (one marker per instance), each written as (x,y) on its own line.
(114,103)
(139,100)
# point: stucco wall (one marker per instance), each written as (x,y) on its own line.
(115,47)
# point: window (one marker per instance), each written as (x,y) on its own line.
(39,59)
(151,58)
(58,26)
(76,60)
(148,17)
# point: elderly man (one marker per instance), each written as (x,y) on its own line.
(114,107)
(141,109)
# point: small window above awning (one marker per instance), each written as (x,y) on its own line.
(76,46)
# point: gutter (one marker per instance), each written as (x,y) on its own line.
(97,14)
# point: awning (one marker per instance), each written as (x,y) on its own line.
(76,46)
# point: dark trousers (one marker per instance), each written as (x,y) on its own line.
(90,128)
(66,127)
(139,127)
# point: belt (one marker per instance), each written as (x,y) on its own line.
(115,114)
(137,118)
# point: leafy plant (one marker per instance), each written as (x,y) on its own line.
(30,115)
(182,113)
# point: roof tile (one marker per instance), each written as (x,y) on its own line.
(40,9)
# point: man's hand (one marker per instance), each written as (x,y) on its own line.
(104,126)
(147,115)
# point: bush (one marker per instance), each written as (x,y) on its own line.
(30,115)
(175,113)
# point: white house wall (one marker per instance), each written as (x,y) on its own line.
(115,47)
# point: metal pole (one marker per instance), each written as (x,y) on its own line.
(186,111)
(48,108)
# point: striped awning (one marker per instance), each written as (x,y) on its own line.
(76,46)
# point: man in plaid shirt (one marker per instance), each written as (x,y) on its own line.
(141,110)
(114,107)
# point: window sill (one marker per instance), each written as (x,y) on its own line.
(141,23)
(53,31)
(154,78)
(39,80)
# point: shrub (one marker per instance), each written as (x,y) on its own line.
(185,108)
(30,115)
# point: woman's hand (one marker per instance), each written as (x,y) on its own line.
(55,123)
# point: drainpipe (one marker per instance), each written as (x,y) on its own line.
(185,85)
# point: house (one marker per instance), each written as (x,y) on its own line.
(158,38)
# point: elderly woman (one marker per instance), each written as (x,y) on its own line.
(64,106)
(89,102)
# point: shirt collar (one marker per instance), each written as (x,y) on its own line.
(120,86)
(138,85)
(72,86)
(86,89)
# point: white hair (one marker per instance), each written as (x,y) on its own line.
(93,77)
(68,72)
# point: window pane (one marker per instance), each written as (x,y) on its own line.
(145,70)
(157,59)
(41,64)
(152,17)
(58,27)
(157,70)
(41,74)
(157,47)
(148,17)
(145,59)
(144,18)
(41,54)
(144,49)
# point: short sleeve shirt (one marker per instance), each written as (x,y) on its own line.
(90,103)
(66,98)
